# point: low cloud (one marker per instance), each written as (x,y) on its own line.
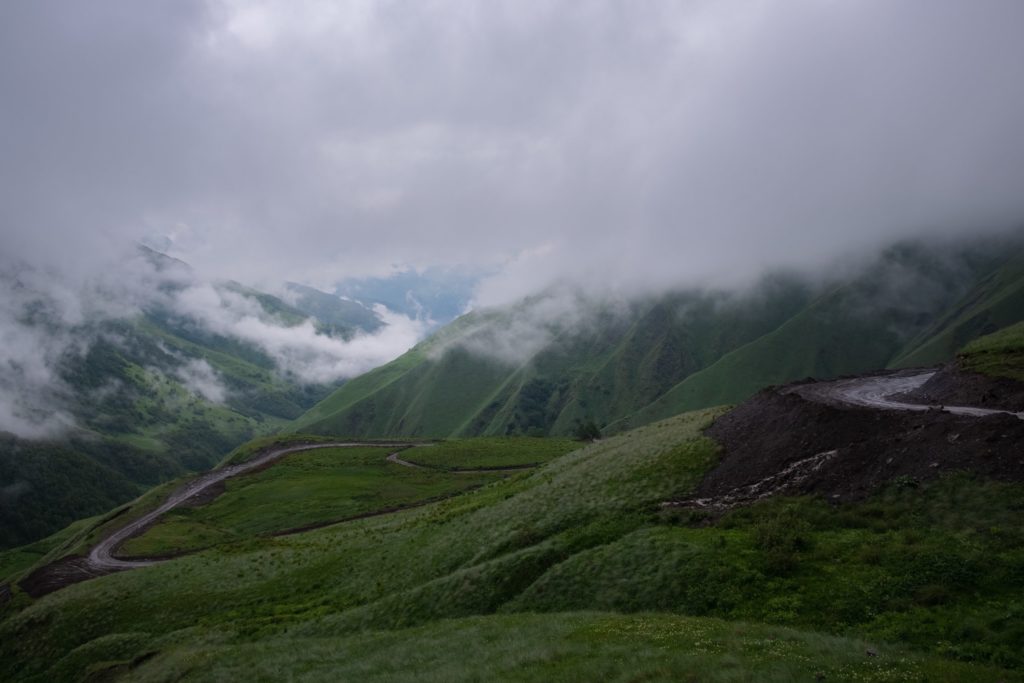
(201,379)
(515,334)
(904,283)
(33,341)
(49,321)
(634,146)
(299,350)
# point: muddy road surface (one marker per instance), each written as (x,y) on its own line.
(845,439)
(884,392)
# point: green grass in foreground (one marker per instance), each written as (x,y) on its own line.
(1000,354)
(938,568)
(464,556)
(500,451)
(305,488)
(557,647)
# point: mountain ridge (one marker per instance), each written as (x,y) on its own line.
(628,365)
(151,395)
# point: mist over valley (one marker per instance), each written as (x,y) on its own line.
(511,340)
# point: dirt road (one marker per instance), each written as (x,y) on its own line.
(804,439)
(101,557)
(882,392)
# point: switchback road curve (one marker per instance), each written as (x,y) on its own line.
(882,392)
(101,557)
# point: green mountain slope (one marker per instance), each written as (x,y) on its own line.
(619,366)
(996,302)
(566,647)
(1000,354)
(152,397)
(341,317)
(570,571)
(827,340)
(598,371)
(359,389)
(138,421)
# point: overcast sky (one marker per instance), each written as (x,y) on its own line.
(638,144)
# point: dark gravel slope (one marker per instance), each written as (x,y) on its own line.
(779,441)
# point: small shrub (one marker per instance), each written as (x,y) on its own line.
(931,594)
(587,431)
(780,538)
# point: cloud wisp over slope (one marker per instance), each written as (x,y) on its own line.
(635,144)
(299,349)
(47,322)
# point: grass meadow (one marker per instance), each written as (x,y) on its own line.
(568,571)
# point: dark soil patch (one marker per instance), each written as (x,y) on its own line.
(5,593)
(782,443)
(58,574)
(957,387)
(207,495)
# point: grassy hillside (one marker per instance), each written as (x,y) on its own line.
(823,340)
(628,365)
(925,578)
(137,424)
(910,300)
(136,393)
(337,316)
(618,359)
(15,562)
(1000,354)
(369,396)
(490,452)
(309,488)
(563,647)
(996,302)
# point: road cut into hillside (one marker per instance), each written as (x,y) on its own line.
(885,392)
(845,439)
(101,559)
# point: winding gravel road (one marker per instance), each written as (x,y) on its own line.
(101,557)
(878,392)
(869,392)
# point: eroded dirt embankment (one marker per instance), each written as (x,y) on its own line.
(781,442)
(952,385)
